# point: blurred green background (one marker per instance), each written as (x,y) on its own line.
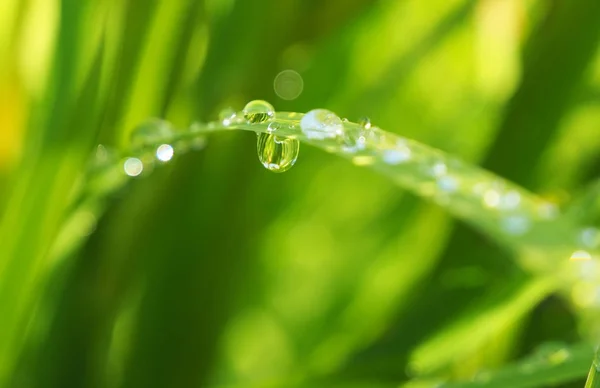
(213,271)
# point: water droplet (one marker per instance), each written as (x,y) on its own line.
(227,116)
(101,154)
(510,200)
(491,198)
(400,154)
(151,132)
(273,127)
(277,153)
(590,237)
(133,166)
(365,122)
(164,152)
(258,111)
(516,225)
(580,255)
(439,169)
(447,184)
(321,124)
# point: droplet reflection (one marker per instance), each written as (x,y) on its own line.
(258,111)
(276,153)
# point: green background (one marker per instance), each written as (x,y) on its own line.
(213,271)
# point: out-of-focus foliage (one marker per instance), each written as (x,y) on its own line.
(212,271)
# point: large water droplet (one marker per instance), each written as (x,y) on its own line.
(277,153)
(151,132)
(321,124)
(258,111)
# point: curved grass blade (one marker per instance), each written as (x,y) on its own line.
(550,365)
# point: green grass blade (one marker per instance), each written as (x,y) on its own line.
(549,367)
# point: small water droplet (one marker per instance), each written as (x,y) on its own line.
(227,116)
(258,111)
(321,124)
(447,184)
(133,166)
(101,154)
(590,237)
(439,169)
(516,225)
(400,154)
(510,200)
(273,127)
(164,152)
(365,122)
(151,132)
(491,198)
(277,153)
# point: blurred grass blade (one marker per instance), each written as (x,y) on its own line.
(477,327)
(593,379)
(550,366)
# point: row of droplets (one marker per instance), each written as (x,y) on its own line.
(276,152)
(278,149)
(279,153)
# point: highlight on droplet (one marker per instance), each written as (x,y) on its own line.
(164,152)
